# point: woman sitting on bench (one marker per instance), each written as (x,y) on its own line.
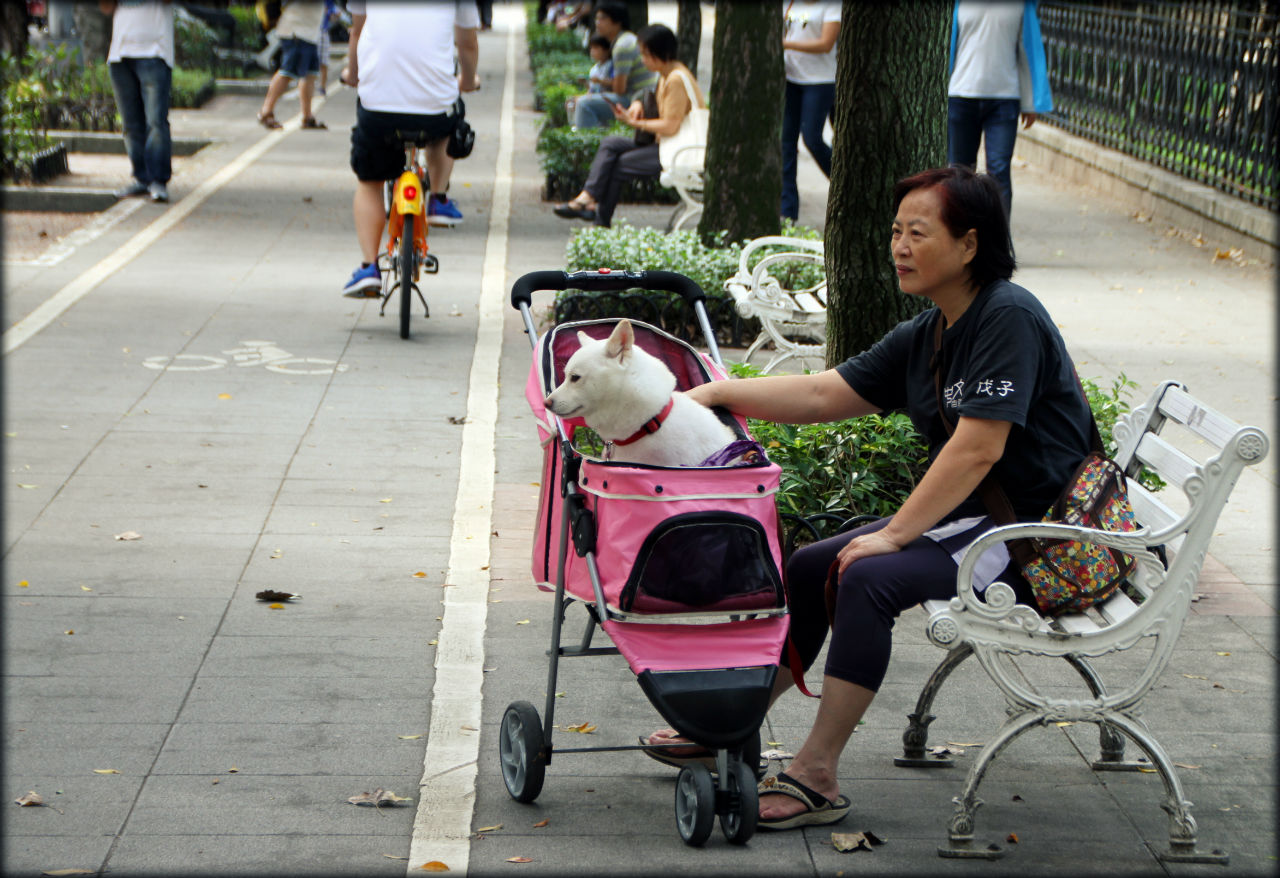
(621,158)
(1010,390)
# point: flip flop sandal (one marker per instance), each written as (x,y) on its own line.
(268,121)
(679,755)
(313,122)
(570,210)
(819,810)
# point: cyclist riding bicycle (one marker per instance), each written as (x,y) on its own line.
(400,59)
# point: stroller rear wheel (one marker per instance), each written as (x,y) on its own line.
(523,751)
(695,804)
(739,823)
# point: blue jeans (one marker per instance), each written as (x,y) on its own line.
(804,112)
(996,120)
(592,110)
(142,88)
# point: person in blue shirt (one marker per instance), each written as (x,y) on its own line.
(998,72)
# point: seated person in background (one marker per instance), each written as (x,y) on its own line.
(630,75)
(567,16)
(601,75)
(620,158)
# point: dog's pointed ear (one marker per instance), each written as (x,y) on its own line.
(584,339)
(621,341)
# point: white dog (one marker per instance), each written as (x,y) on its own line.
(629,397)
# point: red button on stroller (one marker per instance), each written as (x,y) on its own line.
(679,566)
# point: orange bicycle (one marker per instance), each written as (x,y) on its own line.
(406,254)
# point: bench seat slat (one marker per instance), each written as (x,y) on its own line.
(1205,422)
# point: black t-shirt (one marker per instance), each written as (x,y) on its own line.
(1003,360)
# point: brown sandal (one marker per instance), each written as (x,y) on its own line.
(268,121)
(313,122)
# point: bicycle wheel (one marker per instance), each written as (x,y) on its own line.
(406,274)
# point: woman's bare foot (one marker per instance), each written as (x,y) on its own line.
(780,807)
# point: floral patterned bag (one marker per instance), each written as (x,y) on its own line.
(1068,576)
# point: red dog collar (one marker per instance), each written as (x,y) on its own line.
(649,426)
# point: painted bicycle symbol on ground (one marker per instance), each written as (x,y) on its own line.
(253,352)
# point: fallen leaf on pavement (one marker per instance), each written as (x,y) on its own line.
(385,500)
(28,487)
(31,799)
(541,823)
(408,737)
(523,622)
(946,751)
(519,859)
(1012,838)
(271,595)
(67,872)
(584,728)
(378,798)
(1224,653)
(276,607)
(24,584)
(129,535)
(224,396)
(854,841)
(394,857)
(105,771)
(1195,676)
(966,744)
(434,866)
(1185,765)
(494,828)
(420,575)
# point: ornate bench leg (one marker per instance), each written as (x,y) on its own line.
(1110,742)
(917,733)
(960,829)
(1182,826)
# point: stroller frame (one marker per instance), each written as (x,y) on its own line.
(525,741)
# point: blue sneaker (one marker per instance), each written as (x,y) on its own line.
(443,213)
(365,283)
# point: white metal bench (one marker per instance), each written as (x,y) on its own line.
(1152,604)
(795,321)
(685,176)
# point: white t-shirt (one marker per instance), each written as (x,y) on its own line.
(804,22)
(301,19)
(406,54)
(987,42)
(142,29)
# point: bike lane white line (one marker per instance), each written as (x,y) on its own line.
(53,307)
(446,794)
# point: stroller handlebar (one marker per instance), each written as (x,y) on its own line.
(604,279)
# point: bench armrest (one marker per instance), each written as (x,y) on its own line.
(1000,605)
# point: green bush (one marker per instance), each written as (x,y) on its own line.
(193,42)
(554,103)
(633,248)
(249,35)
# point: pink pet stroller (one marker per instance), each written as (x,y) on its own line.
(679,566)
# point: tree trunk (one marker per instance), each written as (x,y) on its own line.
(890,121)
(95,31)
(638,10)
(744,154)
(689,32)
(13,29)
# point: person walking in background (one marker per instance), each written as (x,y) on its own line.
(140,60)
(400,60)
(299,30)
(809,54)
(630,76)
(323,45)
(998,70)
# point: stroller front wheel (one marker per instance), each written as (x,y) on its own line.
(523,751)
(739,822)
(695,804)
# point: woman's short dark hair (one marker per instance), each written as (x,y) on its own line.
(603,42)
(660,42)
(969,201)
(616,11)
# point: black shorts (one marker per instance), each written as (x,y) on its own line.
(377,140)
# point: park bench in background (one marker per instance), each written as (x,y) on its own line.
(1153,603)
(794,320)
(685,176)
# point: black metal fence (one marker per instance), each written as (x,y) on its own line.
(1188,86)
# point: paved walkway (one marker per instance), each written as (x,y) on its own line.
(175,724)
